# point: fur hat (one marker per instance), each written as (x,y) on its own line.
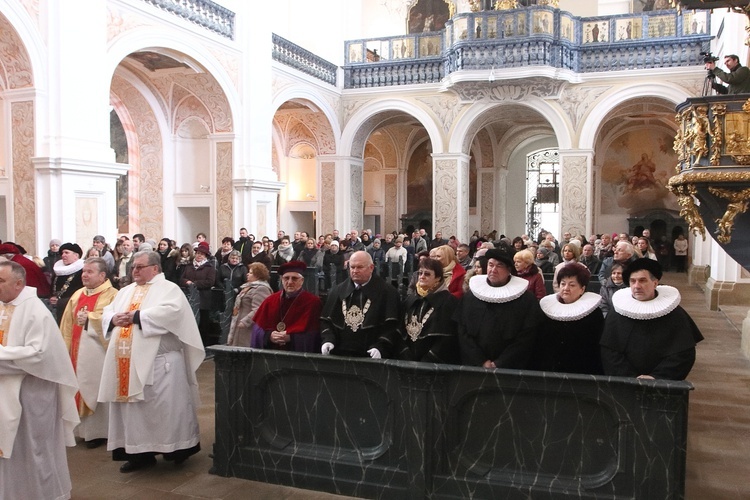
(73,247)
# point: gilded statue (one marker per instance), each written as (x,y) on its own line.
(697,133)
(689,211)
(738,203)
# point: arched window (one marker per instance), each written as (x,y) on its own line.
(542,192)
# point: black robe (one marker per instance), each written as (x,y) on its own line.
(662,347)
(438,340)
(570,346)
(380,322)
(500,332)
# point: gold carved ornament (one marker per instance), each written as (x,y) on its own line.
(679,145)
(689,211)
(506,4)
(719,111)
(738,203)
(738,146)
(697,133)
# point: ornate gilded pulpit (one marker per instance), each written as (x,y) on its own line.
(713,148)
(713,170)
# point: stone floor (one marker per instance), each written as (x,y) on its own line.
(718,435)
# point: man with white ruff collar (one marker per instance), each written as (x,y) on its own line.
(67,277)
(648,335)
(498,318)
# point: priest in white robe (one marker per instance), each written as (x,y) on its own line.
(37,394)
(149,374)
(81,328)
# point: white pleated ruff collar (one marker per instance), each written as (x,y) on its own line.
(497,294)
(666,300)
(554,309)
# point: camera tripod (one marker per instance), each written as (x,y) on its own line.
(708,83)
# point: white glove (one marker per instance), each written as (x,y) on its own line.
(374,353)
(326,348)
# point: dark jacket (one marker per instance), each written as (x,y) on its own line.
(204,278)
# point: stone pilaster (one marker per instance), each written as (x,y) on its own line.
(575,192)
(450,195)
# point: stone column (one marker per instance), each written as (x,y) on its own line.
(724,287)
(223,147)
(256,206)
(700,251)
(73,170)
(328,195)
(576,194)
(450,195)
(340,175)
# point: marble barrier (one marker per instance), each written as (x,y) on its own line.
(385,428)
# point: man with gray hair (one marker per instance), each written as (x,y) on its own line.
(361,314)
(154,350)
(624,253)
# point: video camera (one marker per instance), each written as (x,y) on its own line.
(709,57)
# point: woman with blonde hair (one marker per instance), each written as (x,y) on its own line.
(526,269)
(570,254)
(453,272)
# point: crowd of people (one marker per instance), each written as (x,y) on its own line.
(133,321)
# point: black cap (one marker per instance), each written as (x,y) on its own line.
(503,257)
(649,265)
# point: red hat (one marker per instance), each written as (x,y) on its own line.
(293,266)
(8,248)
(203,248)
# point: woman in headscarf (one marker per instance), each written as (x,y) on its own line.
(568,339)
(252,294)
(453,273)
(427,331)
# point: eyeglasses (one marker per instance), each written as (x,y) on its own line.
(138,267)
(426,273)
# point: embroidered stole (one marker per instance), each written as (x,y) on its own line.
(124,346)
(87,302)
(6,313)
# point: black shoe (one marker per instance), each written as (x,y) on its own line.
(131,466)
(95,443)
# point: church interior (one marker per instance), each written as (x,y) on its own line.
(136,116)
